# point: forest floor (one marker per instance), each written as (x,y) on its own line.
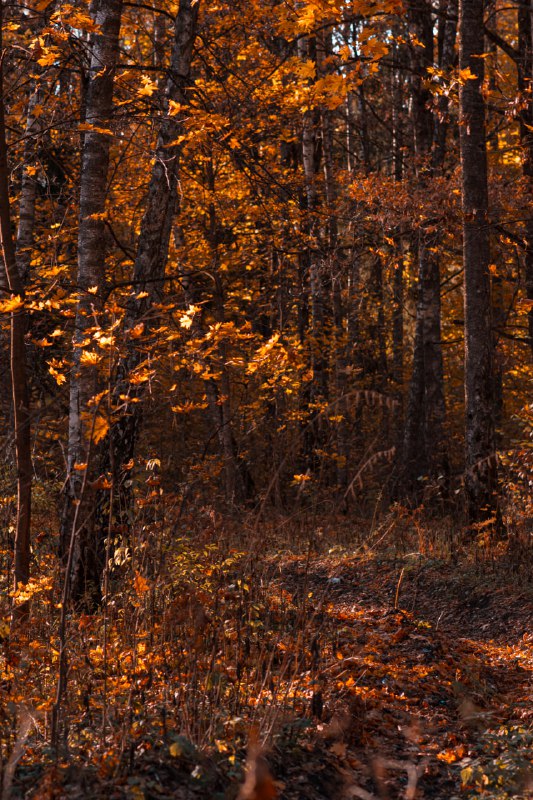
(384,674)
(442,655)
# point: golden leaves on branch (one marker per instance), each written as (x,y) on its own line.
(11,304)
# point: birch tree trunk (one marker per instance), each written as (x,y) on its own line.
(481,465)
(90,279)
(28,189)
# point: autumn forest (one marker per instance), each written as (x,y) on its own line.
(266,343)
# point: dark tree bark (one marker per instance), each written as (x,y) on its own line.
(424,452)
(397,321)
(148,271)
(238,481)
(481,465)
(525,86)
(313,270)
(35,126)
(90,276)
(420,22)
(398,289)
(447,57)
(18,366)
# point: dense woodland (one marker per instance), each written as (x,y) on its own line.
(266,296)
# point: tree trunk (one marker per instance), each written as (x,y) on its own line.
(414,451)
(525,86)
(90,279)
(28,189)
(148,272)
(424,451)
(238,482)
(447,38)
(434,400)
(18,366)
(313,267)
(397,320)
(481,465)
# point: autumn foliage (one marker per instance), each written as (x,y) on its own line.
(266,324)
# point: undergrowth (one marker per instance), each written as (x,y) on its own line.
(212,630)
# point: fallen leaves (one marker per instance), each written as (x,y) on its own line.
(264,647)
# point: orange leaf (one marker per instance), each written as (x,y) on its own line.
(140,585)
(13,303)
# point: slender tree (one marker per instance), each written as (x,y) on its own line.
(525,87)
(18,366)
(118,448)
(481,463)
(424,451)
(90,279)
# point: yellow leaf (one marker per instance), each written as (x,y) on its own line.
(174,108)
(136,331)
(142,376)
(148,87)
(89,358)
(306,18)
(105,341)
(49,57)
(466,775)
(86,126)
(466,75)
(13,303)
(175,750)
(100,428)
(298,479)
(59,377)
(306,69)
(140,585)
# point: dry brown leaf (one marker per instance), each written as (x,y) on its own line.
(258,783)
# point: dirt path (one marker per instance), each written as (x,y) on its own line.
(425,679)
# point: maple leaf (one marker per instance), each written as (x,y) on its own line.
(174,108)
(89,358)
(60,378)
(465,75)
(140,584)
(11,304)
(100,428)
(148,86)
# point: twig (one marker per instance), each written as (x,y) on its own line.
(400,579)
